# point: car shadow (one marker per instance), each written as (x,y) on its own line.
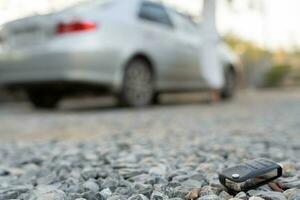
(111,105)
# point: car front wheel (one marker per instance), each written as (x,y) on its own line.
(137,89)
(229,88)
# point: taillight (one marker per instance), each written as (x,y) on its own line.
(75,26)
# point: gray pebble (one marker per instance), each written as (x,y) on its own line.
(292,194)
(268,195)
(209,197)
(224,195)
(158,196)
(91,186)
(138,197)
(106,193)
(47,193)
(13,192)
(256,198)
(242,195)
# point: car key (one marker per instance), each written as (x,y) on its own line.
(250,175)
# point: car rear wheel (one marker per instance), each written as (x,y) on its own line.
(44,100)
(137,89)
(230,85)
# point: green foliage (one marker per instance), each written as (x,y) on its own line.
(256,60)
(277,74)
(248,49)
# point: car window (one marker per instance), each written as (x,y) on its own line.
(154,12)
(184,23)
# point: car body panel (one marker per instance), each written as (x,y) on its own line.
(34,53)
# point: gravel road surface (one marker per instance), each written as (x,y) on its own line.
(172,151)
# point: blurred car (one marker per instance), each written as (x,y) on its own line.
(134,49)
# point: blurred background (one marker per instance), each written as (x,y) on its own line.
(264,34)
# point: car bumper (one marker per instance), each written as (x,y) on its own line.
(84,67)
(78,58)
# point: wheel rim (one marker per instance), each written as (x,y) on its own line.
(138,84)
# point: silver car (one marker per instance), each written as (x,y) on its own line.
(134,49)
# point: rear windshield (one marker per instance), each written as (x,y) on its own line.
(98,2)
(81,3)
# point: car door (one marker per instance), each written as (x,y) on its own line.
(188,42)
(159,40)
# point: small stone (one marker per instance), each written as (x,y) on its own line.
(206,167)
(268,195)
(180,178)
(242,195)
(145,189)
(289,169)
(192,183)
(256,198)
(89,173)
(143,178)
(291,183)
(224,195)
(106,193)
(294,197)
(91,186)
(110,183)
(124,188)
(253,192)
(48,193)
(158,196)
(194,194)
(75,196)
(12,192)
(209,197)
(16,171)
(138,197)
(160,170)
(4,172)
(90,195)
(117,197)
(128,173)
(207,190)
(180,192)
(292,194)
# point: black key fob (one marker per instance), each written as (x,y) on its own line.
(250,175)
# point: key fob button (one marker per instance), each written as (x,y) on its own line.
(235,176)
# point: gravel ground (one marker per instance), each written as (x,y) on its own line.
(98,153)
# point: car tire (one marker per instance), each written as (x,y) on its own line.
(229,88)
(138,84)
(44,100)
(156,98)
